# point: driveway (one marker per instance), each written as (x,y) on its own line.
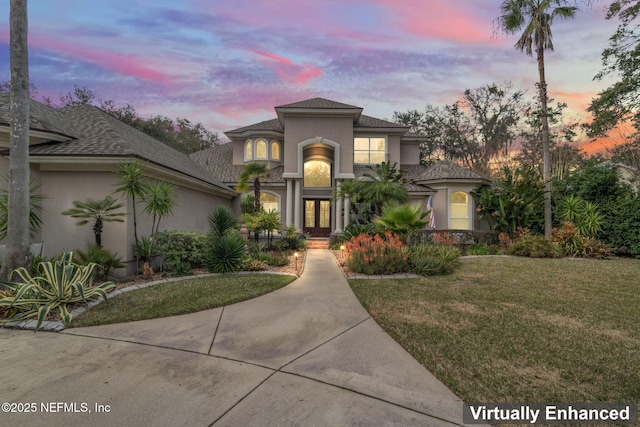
(307,354)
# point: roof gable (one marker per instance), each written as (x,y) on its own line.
(319,104)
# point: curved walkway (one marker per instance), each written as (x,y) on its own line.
(307,354)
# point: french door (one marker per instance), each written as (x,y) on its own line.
(317,217)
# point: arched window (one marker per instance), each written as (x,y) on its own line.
(270,202)
(317,173)
(261,149)
(459,212)
(275,150)
(248,150)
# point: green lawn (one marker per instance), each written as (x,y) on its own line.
(520,329)
(187,296)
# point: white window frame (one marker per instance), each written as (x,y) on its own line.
(468,218)
(369,137)
(271,156)
(247,143)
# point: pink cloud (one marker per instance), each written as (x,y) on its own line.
(128,65)
(287,70)
(446,20)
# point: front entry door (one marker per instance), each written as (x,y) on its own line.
(317,217)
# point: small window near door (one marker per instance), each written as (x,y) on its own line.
(459,211)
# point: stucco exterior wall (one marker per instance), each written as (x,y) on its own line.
(59,231)
(336,129)
(409,154)
(393,149)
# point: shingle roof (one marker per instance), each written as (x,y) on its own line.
(372,122)
(446,170)
(411,172)
(99,134)
(41,117)
(320,104)
(218,160)
(268,125)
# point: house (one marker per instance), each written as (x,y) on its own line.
(312,146)
(74,152)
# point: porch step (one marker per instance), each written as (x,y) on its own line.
(318,244)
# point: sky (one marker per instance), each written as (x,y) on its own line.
(227,63)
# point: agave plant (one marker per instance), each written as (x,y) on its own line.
(227,253)
(57,284)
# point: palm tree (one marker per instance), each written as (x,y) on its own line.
(534,18)
(402,219)
(18,248)
(98,211)
(159,201)
(384,185)
(253,172)
(131,185)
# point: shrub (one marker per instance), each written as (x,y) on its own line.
(293,239)
(179,268)
(227,253)
(221,219)
(178,247)
(401,219)
(573,243)
(277,260)
(535,246)
(103,258)
(254,265)
(355,229)
(376,254)
(429,260)
(444,238)
(57,284)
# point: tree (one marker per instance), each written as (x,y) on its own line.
(159,202)
(97,211)
(253,172)
(384,185)
(534,18)
(473,131)
(18,247)
(131,185)
(621,101)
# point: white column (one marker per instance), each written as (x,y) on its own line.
(347,211)
(297,212)
(338,210)
(290,204)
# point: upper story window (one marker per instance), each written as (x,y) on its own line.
(275,150)
(259,149)
(248,150)
(459,211)
(317,173)
(369,151)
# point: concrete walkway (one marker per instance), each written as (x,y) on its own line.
(307,354)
